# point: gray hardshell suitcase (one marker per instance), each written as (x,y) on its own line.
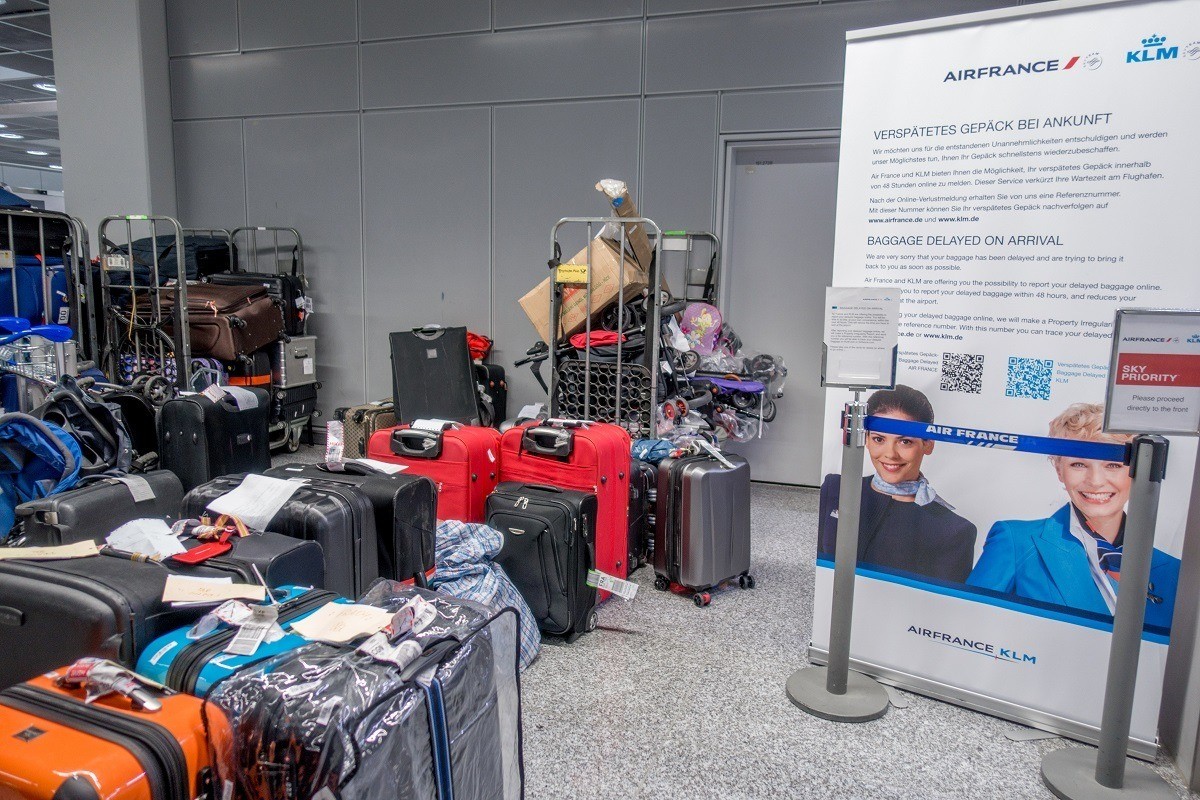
(702,524)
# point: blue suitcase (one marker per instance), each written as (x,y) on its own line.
(193,666)
(30,303)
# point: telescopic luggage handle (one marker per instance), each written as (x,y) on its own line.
(416,443)
(547,441)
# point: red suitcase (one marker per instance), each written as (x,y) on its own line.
(462,460)
(584,456)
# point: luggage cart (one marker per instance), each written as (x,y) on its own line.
(135,319)
(273,258)
(700,284)
(624,391)
(35,357)
(66,303)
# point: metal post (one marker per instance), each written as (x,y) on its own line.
(833,692)
(1081,773)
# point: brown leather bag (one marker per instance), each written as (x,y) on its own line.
(229,321)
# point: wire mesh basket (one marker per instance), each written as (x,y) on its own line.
(33,357)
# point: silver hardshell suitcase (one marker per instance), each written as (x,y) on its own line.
(702,524)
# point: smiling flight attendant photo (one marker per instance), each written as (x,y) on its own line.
(1073,558)
(905,525)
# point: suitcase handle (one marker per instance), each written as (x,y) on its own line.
(430,332)
(545,487)
(352,468)
(547,441)
(416,443)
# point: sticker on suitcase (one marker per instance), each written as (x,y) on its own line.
(626,590)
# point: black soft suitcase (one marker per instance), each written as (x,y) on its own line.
(200,440)
(643,488)
(493,394)
(280,560)
(549,536)
(53,612)
(340,518)
(96,509)
(293,404)
(405,514)
(288,289)
(433,376)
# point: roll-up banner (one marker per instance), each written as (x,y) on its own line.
(1020,175)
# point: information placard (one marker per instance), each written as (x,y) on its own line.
(1154,379)
(862,327)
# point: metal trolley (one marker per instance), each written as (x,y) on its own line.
(135,313)
(624,392)
(700,284)
(278,251)
(64,305)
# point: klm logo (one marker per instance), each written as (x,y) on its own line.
(1152,50)
(1194,338)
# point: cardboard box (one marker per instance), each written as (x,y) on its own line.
(606,266)
(623,206)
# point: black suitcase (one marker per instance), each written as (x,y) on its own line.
(92,511)
(493,394)
(339,518)
(280,560)
(293,404)
(433,376)
(53,612)
(643,489)
(200,440)
(288,289)
(549,539)
(405,507)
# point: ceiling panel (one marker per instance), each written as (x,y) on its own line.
(34,65)
(21,39)
(25,46)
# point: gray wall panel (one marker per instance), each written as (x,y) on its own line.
(272,82)
(52,181)
(208,173)
(679,162)
(389,19)
(572,61)
(426,234)
(772,47)
(786,110)
(304,172)
(287,23)
(654,7)
(542,175)
(515,13)
(207,27)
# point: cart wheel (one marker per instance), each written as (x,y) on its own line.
(293,438)
(749,581)
(156,389)
(768,411)
(743,400)
(689,360)
(701,599)
(661,583)
(592,620)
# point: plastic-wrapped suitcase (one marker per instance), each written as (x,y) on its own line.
(702,524)
(325,720)
(60,747)
(643,488)
(586,457)
(92,511)
(194,665)
(405,514)
(339,518)
(548,540)
(200,439)
(462,461)
(360,422)
(53,612)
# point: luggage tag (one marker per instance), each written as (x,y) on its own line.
(626,590)
(263,626)
(390,645)
(100,678)
(211,549)
(335,438)
(715,453)
(231,612)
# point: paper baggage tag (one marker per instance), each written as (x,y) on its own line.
(414,616)
(231,612)
(434,424)
(715,453)
(531,411)
(138,486)
(308,366)
(335,438)
(215,392)
(181,589)
(401,654)
(256,500)
(261,627)
(382,466)
(77,550)
(626,590)
(339,623)
(6,259)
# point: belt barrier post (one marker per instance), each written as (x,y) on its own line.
(1078,773)
(833,692)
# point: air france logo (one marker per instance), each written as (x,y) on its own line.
(1006,70)
(977,646)
(1152,50)
(1155,339)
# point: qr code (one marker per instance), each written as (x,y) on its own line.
(962,372)
(1029,377)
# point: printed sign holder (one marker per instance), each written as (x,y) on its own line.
(833,692)
(1078,773)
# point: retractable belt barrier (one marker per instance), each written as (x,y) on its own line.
(1045,445)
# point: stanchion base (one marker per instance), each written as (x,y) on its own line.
(1071,774)
(863,701)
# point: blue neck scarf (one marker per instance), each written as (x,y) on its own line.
(920,490)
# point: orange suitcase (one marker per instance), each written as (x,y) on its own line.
(60,747)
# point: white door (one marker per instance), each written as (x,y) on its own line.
(779,217)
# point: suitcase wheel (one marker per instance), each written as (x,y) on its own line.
(661,583)
(746,581)
(701,599)
(592,620)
